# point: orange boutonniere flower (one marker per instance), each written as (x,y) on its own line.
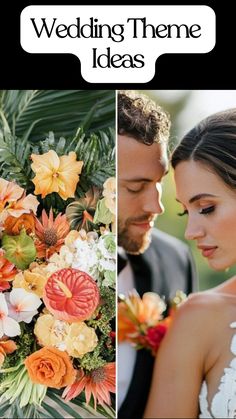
(56,174)
(141,321)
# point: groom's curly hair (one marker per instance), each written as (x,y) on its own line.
(142,118)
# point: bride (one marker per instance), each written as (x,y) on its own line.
(195,370)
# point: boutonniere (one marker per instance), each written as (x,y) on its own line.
(141,321)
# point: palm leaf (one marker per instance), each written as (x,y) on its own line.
(52,407)
(32,114)
(14,159)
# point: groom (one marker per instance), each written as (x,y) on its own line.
(147,260)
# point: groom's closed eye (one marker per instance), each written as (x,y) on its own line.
(134,190)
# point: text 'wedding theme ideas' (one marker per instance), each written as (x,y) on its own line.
(114,43)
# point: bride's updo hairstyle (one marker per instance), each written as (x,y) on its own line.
(212,142)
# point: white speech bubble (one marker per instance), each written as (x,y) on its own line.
(117,44)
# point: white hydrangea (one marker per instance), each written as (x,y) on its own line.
(85,257)
(107,265)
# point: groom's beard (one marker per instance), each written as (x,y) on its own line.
(134,244)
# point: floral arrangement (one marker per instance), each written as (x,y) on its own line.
(57,278)
(141,321)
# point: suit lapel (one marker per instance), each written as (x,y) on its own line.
(136,397)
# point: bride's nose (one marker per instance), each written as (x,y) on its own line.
(194,230)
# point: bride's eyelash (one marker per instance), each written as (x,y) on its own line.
(182,213)
(207,210)
(203,211)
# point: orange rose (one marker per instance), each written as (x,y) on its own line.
(13,225)
(50,367)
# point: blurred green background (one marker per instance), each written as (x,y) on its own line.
(186,108)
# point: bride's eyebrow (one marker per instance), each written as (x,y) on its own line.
(199,196)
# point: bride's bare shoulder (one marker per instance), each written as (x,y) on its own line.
(201,308)
(195,322)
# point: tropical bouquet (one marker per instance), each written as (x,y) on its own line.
(57,271)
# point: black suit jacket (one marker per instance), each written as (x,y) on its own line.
(165,267)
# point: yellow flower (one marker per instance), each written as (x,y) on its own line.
(76,338)
(80,340)
(32,281)
(109,193)
(51,332)
(56,174)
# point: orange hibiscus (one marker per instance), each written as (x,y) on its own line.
(50,234)
(56,174)
(98,383)
(7,272)
(50,367)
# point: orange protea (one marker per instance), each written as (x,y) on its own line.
(56,174)
(50,234)
(6,347)
(14,225)
(98,383)
(7,272)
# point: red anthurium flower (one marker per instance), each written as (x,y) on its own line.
(71,295)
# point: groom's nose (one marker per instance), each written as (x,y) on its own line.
(152,202)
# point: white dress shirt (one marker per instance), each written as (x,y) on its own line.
(126,353)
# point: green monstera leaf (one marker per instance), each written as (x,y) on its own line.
(19,249)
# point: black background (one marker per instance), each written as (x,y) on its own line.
(214,70)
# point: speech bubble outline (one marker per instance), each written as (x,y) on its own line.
(117,44)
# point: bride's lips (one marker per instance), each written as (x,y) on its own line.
(207,251)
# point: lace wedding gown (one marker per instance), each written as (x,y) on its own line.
(223,404)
